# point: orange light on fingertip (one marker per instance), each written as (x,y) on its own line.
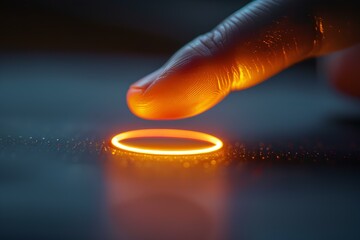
(117,141)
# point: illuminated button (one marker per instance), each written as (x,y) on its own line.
(118,141)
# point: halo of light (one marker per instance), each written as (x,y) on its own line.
(166,133)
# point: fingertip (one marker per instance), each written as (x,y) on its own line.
(155,106)
(184,87)
(137,101)
(133,98)
(171,99)
(151,104)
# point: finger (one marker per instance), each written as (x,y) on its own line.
(344,71)
(251,45)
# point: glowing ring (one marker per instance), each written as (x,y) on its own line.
(170,133)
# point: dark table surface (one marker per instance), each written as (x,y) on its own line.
(289,168)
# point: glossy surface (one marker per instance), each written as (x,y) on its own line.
(289,168)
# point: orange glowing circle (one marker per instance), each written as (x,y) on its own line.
(167,133)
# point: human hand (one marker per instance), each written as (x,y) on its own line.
(254,43)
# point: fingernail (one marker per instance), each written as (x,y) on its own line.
(145,82)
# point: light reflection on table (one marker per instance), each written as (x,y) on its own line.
(158,197)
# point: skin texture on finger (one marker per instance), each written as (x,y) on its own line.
(177,95)
(250,46)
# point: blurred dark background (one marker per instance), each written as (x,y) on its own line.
(109,26)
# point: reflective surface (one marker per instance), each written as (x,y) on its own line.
(288,170)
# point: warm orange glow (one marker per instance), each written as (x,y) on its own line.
(167,133)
